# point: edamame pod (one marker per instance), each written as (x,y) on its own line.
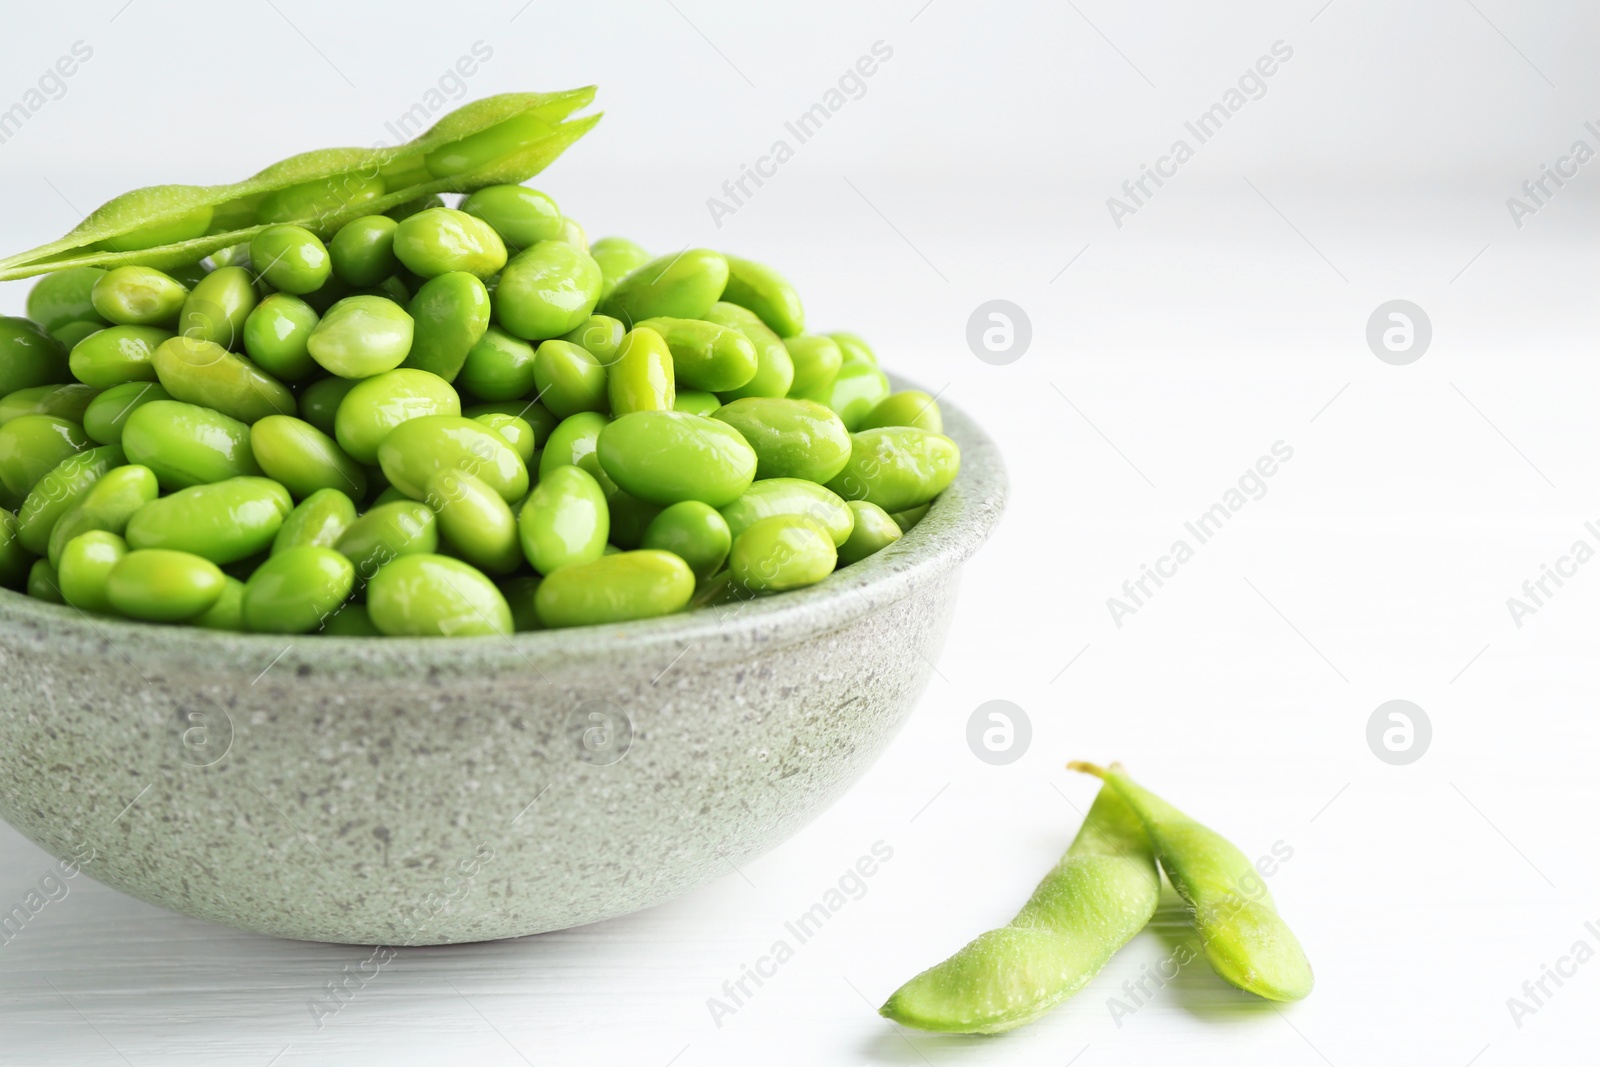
(565,521)
(767,293)
(296,589)
(792,438)
(615,588)
(223,522)
(435,596)
(680,286)
(897,467)
(450,314)
(666,456)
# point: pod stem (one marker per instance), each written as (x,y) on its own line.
(1088,768)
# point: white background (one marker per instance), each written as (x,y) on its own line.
(1226,315)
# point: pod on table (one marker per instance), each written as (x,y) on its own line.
(362,252)
(569,379)
(666,456)
(107,413)
(296,589)
(793,497)
(291,258)
(475,521)
(705,355)
(792,438)
(774,367)
(304,459)
(223,522)
(32,445)
(86,564)
(450,314)
(853,393)
(70,402)
(617,257)
(205,373)
(138,296)
(389,531)
(641,378)
(441,239)
(216,309)
(1243,937)
(376,405)
(908,407)
(565,521)
(615,588)
(415,451)
(61,489)
(897,467)
(695,532)
(601,336)
(767,293)
(29,356)
(499,367)
(360,336)
(107,505)
(320,519)
(683,285)
(277,336)
(162,585)
(547,290)
(872,531)
(65,297)
(435,596)
(521,216)
(1102,893)
(782,552)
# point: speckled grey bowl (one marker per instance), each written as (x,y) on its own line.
(400,791)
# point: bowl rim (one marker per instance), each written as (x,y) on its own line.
(959,521)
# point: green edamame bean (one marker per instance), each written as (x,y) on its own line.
(695,402)
(296,589)
(520,593)
(86,565)
(276,334)
(499,367)
(223,522)
(361,336)
(1244,939)
(404,211)
(909,407)
(108,505)
(666,456)
(630,516)
(910,516)
(217,307)
(854,349)
(767,293)
(363,250)
(572,233)
(303,458)
(792,438)
(569,378)
(205,373)
(548,289)
(15,561)
(574,441)
(521,216)
(451,314)
(1102,893)
(107,413)
(415,451)
(793,497)
(442,239)
(435,596)
(679,286)
(117,355)
(565,521)
(695,532)
(60,490)
(320,519)
(601,335)
(816,360)
(186,444)
(705,355)
(378,404)
(854,391)
(774,367)
(68,402)
(138,296)
(617,257)
(518,432)
(189,274)
(333,290)
(320,402)
(323,197)
(475,522)
(29,356)
(535,414)
(63,297)
(897,467)
(161,585)
(615,588)
(74,332)
(873,531)
(291,258)
(32,445)
(388,531)
(227,613)
(232,256)
(782,552)
(352,620)
(642,377)
(43,582)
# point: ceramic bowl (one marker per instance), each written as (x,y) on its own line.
(409,791)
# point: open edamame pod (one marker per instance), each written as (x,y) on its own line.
(1102,892)
(1244,939)
(500,140)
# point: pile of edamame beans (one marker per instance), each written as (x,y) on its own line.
(443,421)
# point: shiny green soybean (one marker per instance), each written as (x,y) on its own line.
(475,521)
(782,552)
(387,532)
(617,257)
(521,216)
(792,438)
(74,332)
(909,517)
(451,314)
(361,336)
(518,432)
(414,452)
(291,259)
(565,521)
(320,519)
(535,414)
(601,336)
(572,233)
(139,296)
(435,596)
(32,445)
(816,360)
(793,497)
(547,290)
(767,293)
(296,589)
(227,612)
(351,620)
(853,393)
(897,467)
(683,285)
(630,516)
(277,334)
(319,401)
(440,240)
(86,565)
(223,522)
(774,366)
(68,402)
(205,373)
(499,367)
(107,413)
(705,355)
(615,588)
(362,251)
(666,456)
(29,356)
(695,532)
(44,583)
(642,377)
(872,531)
(59,491)
(117,355)
(64,297)
(574,441)
(216,308)
(909,407)
(569,379)
(303,458)
(376,405)
(108,505)
(854,349)
(161,585)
